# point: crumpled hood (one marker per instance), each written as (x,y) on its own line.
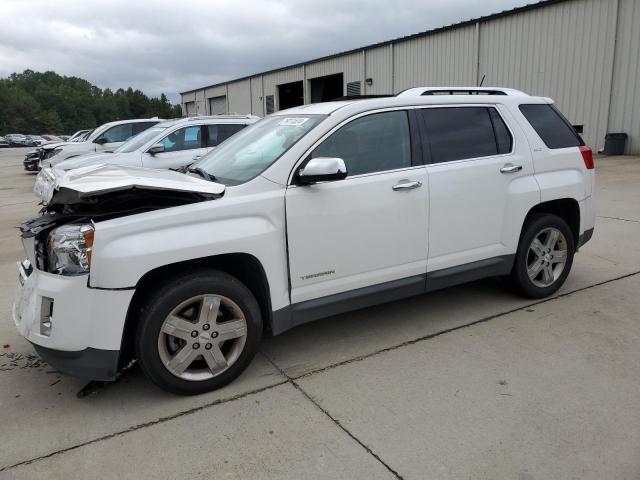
(96,180)
(52,145)
(92,159)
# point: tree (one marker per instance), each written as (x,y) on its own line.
(45,102)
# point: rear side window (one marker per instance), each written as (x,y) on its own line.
(219,133)
(458,133)
(142,126)
(119,133)
(500,130)
(554,130)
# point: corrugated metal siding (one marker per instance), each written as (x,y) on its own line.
(446,58)
(257,102)
(351,66)
(239,100)
(563,51)
(625,95)
(379,70)
(211,92)
(271,80)
(215,91)
(201,103)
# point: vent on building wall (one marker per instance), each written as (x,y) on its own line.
(270,106)
(353,89)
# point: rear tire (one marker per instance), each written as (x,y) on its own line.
(544,257)
(198,332)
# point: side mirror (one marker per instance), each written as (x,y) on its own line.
(157,148)
(322,169)
(100,140)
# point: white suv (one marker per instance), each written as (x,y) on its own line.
(169,144)
(106,137)
(310,212)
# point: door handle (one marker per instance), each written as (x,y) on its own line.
(510,168)
(406,185)
(197,157)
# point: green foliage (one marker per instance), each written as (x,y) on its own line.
(35,102)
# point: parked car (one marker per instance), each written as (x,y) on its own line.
(32,158)
(169,144)
(52,138)
(104,138)
(17,140)
(80,134)
(310,212)
(3,142)
(34,140)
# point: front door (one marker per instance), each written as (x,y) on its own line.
(365,230)
(181,147)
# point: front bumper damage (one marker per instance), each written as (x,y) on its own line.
(74,328)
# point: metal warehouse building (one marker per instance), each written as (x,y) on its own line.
(583,53)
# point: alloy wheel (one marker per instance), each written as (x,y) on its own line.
(547,257)
(202,337)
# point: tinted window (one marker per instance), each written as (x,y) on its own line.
(503,136)
(373,143)
(186,138)
(119,133)
(219,133)
(456,133)
(554,130)
(142,126)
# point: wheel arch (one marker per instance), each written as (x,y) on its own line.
(566,208)
(244,266)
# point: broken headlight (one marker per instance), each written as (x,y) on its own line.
(45,185)
(69,249)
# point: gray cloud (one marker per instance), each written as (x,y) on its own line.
(174,46)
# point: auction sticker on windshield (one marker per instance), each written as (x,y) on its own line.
(292,121)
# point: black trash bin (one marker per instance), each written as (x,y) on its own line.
(615,143)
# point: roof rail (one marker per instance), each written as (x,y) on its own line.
(419,91)
(219,115)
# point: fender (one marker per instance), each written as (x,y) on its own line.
(127,248)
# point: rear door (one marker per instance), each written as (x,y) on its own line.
(182,147)
(481,183)
(368,229)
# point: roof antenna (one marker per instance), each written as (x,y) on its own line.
(482,81)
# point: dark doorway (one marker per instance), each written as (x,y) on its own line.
(325,89)
(290,95)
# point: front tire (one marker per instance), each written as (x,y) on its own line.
(198,333)
(544,257)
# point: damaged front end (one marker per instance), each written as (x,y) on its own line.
(61,237)
(115,191)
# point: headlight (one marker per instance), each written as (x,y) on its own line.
(45,185)
(69,249)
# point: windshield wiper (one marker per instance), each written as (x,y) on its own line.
(203,173)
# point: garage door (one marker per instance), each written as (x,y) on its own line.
(217,105)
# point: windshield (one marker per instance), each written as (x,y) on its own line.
(85,136)
(248,153)
(138,141)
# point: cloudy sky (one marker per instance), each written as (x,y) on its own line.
(172,46)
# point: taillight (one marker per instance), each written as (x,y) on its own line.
(587,156)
